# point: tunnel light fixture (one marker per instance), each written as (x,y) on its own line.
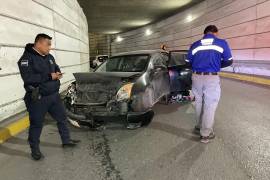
(137,23)
(112,32)
(189,18)
(119,39)
(173,4)
(148,32)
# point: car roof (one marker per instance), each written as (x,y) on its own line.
(101,55)
(150,52)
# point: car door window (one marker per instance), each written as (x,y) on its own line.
(165,57)
(177,58)
(159,61)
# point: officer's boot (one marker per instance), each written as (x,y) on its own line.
(71,143)
(36,154)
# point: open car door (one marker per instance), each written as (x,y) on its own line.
(180,72)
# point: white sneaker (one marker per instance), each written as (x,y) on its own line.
(206,139)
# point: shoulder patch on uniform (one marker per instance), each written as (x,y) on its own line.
(24,62)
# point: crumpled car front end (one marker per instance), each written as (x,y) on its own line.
(101,94)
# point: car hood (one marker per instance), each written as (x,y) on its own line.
(98,77)
(97,87)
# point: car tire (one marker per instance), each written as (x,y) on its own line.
(148,118)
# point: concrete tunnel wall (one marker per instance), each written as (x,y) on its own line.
(99,44)
(20,21)
(244,23)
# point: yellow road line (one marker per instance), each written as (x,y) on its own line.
(248,78)
(13,129)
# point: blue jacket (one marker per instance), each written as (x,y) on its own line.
(36,71)
(209,54)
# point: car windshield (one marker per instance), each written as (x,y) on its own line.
(129,63)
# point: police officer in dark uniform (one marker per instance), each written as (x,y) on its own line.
(41,75)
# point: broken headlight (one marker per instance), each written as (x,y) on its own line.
(124,92)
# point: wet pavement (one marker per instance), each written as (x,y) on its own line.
(165,150)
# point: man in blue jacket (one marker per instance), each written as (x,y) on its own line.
(206,57)
(41,76)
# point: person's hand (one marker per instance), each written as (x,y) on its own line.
(54,76)
(60,75)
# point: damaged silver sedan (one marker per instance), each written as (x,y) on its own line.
(127,85)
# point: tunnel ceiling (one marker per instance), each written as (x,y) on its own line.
(114,16)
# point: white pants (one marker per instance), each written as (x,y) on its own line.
(206,89)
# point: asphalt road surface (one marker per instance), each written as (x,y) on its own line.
(165,150)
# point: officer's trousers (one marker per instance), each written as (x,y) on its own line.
(206,89)
(37,111)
